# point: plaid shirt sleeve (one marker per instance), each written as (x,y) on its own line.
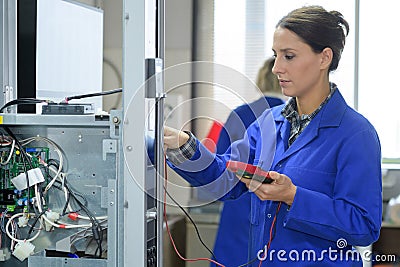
(184,152)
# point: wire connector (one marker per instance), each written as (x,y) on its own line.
(73,216)
(4,254)
(23,221)
(52,216)
(23,250)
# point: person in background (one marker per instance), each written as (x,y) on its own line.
(234,224)
(324,157)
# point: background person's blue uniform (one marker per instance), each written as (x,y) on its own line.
(232,238)
(335,164)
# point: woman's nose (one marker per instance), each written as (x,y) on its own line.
(276,67)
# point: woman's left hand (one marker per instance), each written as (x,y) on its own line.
(281,189)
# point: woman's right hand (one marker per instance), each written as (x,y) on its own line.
(174,138)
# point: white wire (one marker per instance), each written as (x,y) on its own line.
(5,142)
(11,236)
(57,149)
(61,177)
(63,225)
(13,227)
(97,218)
(11,153)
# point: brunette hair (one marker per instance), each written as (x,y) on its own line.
(319,29)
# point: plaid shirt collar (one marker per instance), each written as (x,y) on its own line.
(299,123)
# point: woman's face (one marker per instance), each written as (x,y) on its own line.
(299,69)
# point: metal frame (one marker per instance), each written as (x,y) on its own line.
(8,51)
(135,52)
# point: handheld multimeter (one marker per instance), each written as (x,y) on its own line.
(249,171)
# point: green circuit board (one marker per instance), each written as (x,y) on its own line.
(12,166)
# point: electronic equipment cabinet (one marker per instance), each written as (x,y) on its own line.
(72,216)
(86,190)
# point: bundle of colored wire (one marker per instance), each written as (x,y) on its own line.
(271,232)
(169,232)
(38,202)
(10,153)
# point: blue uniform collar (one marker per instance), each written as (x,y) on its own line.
(329,116)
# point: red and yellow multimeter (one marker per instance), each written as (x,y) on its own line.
(249,171)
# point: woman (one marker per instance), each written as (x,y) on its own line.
(324,159)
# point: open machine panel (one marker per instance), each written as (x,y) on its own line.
(73,199)
(81,190)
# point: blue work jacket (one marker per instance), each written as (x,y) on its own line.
(335,164)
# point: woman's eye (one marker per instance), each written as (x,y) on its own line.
(289,57)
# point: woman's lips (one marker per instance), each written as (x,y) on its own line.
(283,82)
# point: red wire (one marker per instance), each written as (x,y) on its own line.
(270,231)
(167,227)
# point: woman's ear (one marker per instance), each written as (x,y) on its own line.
(326,58)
